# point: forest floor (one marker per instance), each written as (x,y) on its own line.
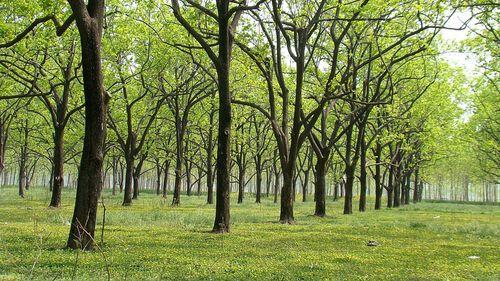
(152,240)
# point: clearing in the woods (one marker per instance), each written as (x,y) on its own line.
(428,241)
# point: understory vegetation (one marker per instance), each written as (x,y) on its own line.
(428,241)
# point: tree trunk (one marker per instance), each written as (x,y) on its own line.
(276,186)
(222,213)
(115,174)
(320,186)
(286,211)
(407,189)
(378,177)
(268,182)
(259,183)
(121,177)
(390,187)
(177,184)
(3,138)
(165,178)
(403,189)
(304,185)
(348,190)
(210,183)
(58,181)
(241,184)
(158,178)
(362,174)
(136,185)
(96,101)
(129,171)
(397,186)
(22,174)
(200,176)
(23,161)
(189,184)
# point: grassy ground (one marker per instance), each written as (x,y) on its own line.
(151,240)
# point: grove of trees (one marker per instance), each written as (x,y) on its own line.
(294,100)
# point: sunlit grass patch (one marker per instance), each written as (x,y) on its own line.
(153,240)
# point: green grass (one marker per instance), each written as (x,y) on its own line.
(152,240)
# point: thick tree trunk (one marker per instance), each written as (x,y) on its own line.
(96,100)
(136,186)
(176,199)
(348,190)
(286,211)
(222,206)
(396,189)
(320,186)
(407,190)
(129,171)
(58,181)
(390,200)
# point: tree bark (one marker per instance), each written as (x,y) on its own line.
(58,181)
(286,210)
(241,184)
(258,192)
(222,219)
(89,20)
(129,170)
(165,178)
(320,187)
(115,174)
(362,174)
(378,176)
(305,185)
(158,178)
(407,189)
(348,190)
(3,139)
(390,187)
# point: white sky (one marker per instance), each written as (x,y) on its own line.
(452,38)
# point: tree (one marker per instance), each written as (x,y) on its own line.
(227,20)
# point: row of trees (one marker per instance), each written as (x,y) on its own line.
(325,92)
